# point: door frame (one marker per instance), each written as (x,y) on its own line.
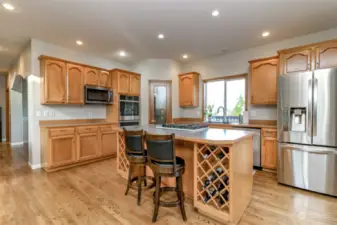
(168,84)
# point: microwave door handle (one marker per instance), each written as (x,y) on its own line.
(110,95)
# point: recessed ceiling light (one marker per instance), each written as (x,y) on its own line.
(215,13)
(265,34)
(161,36)
(185,56)
(79,42)
(8,6)
(122,53)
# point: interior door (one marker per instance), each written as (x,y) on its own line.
(325,107)
(160,110)
(295,98)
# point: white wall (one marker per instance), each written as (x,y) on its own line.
(37,112)
(237,63)
(157,69)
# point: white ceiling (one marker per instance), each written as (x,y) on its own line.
(107,26)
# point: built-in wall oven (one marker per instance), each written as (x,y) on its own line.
(129,110)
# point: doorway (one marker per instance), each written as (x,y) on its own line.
(160,102)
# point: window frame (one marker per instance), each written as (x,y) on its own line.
(224,78)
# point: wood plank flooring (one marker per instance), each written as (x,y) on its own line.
(94,194)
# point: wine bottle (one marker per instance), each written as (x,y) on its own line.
(205,156)
(206,198)
(225,196)
(225,179)
(220,155)
(207,182)
(219,170)
(212,191)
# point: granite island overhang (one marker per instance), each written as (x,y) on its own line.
(219,168)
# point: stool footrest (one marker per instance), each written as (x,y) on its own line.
(134,179)
(168,204)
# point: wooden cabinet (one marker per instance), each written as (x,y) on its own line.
(53,82)
(134,84)
(88,143)
(105,79)
(263,81)
(125,82)
(326,55)
(269,148)
(62,150)
(108,141)
(65,146)
(189,89)
(75,83)
(297,61)
(91,76)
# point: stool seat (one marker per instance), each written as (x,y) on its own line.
(180,163)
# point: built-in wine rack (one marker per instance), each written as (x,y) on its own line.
(123,163)
(213,183)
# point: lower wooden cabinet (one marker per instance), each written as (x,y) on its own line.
(108,143)
(269,149)
(62,150)
(68,146)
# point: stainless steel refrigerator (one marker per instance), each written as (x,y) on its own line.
(307,130)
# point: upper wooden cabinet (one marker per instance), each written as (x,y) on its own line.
(297,61)
(326,55)
(263,80)
(126,83)
(53,82)
(75,84)
(91,76)
(189,89)
(105,79)
(134,84)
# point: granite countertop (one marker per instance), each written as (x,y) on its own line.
(76,124)
(250,125)
(206,135)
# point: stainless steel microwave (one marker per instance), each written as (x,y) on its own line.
(97,95)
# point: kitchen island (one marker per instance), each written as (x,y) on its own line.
(218,168)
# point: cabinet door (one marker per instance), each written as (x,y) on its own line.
(134,84)
(326,55)
(186,90)
(75,84)
(88,146)
(91,76)
(54,82)
(263,81)
(62,150)
(296,62)
(123,83)
(105,79)
(108,143)
(269,153)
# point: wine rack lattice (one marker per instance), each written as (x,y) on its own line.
(213,176)
(123,163)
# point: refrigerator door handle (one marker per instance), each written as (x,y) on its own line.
(309,117)
(314,117)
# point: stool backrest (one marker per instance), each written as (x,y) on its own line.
(134,141)
(160,149)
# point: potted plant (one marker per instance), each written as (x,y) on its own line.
(209,112)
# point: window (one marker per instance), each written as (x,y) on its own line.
(226,97)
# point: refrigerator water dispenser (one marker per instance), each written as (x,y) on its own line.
(298,119)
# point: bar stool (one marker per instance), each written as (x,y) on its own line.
(137,156)
(163,161)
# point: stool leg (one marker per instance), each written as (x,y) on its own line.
(156,201)
(139,183)
(180,193)
(129,180)
(145,182)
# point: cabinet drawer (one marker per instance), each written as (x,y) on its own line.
(91,129)
(269,133)
(61,131)
(105,128)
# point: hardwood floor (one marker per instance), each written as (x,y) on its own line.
(94,194)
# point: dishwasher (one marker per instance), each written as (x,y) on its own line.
(256,144)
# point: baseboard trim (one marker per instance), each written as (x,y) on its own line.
(34,167)
(17,143)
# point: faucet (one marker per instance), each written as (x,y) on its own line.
(223,110)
